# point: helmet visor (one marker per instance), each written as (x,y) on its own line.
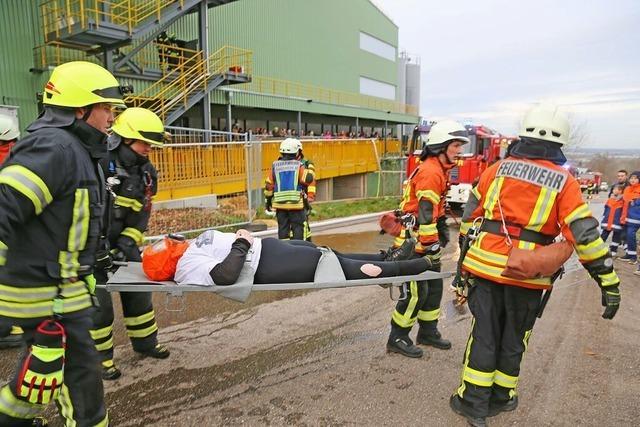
(157,137)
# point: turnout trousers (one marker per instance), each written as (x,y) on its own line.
(139,320)
(503,317)
(422,305)
(81,399)
(291,224)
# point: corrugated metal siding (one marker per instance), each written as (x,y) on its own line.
(19,33)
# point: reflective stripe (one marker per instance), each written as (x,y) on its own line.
(97,334)
(492,272)
(3,253)
(427,229)
(104,422)
(404,320)
(504,380)
(492,198)
(79,229)
(476,193)
(398,241)
(104,346)
(479,378)
(498,259)
(464,227)
(135,234)
(69,264)
(286,196)
(594,250)
(28,184)
(430,195)
(142,333)
(633,221)
(540,214)
(14,407)
(429,316)
(139,320)
(66,407)
(467,355)
(609,279)
(40,294)
(43,309)
(580,212)
(126,202)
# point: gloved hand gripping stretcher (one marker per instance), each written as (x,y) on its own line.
(326,266)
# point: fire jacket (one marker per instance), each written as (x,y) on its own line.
(424,197)
(286,183)
(51,195)
(538,196)
(310,190)
(612,214)
(631,206)
(135,185)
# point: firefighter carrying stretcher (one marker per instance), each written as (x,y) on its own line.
(513,215)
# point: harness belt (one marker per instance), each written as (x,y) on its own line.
(516,232)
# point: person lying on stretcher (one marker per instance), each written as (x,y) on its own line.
(216,258)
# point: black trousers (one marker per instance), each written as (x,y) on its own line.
(503,317)
(139,318)
(82,398)
(293,261)
(422,304)
(291,224)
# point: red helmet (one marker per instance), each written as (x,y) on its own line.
(159,261)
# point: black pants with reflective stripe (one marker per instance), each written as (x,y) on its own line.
(503,319)
(134,305)
(291,224)
(84,401)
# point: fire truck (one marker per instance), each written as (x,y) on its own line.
(588,176)
(486,146)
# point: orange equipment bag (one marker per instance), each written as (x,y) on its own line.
(543,261)
(159,261)
(390,223)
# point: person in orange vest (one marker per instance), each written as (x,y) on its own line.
(284,190)
(611,219)
(631,216)
(424,198)
(522,202)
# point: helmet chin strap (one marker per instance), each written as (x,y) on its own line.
(87,113)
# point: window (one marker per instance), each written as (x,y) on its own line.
(377,88)
(377,47)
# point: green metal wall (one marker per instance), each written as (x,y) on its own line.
(20,32)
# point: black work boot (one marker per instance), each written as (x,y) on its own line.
(11,341)
(402,252)
(40,422)
(403,345)
(109,371)
(509,405)
(157,352)
(432,337)
(458,407)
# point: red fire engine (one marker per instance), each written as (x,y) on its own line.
(486,146)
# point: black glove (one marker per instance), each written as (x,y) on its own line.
(443,231)
(610,300)
(104,261)
(128,247)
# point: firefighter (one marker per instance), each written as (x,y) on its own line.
(522,203)
(133,181)
(309,191)
(424,197)
(51,199)
(284,190)
(10,335)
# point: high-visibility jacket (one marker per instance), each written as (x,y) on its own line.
(51,195)
(131,208)
(311,188)
(631,206)
(285,184)
(539,196)
(425,196)
(612,214)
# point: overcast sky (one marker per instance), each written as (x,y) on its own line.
(485,61)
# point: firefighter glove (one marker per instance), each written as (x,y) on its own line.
(443,231)
(610,300)
(90,280)
(104,261)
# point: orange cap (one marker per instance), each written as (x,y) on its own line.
(159,261)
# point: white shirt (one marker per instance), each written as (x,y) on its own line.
(205,252)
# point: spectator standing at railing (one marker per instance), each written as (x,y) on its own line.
(284,190)
(132,181)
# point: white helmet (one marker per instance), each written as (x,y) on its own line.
(290,146)
(8,129)
(442,133)
(546,122)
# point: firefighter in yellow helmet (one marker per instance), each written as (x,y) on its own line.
(519,206)
(132,181)
(51,196)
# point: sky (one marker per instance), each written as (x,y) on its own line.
(487,61)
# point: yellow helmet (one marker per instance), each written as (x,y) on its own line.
(8,129)
(79,83)
(140,124)
(546,122)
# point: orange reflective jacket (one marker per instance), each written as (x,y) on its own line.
(535,195)
(429,182)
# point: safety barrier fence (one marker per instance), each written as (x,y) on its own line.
(65,15)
